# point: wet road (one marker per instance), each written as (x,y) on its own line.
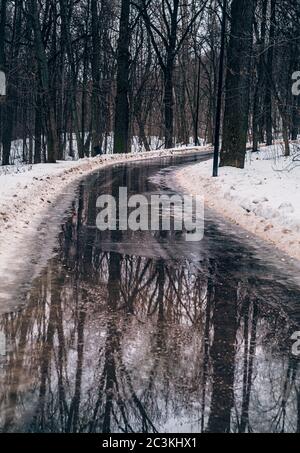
(149,333)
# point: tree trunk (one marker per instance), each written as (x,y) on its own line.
(7,132)
(38,126)
(3,5)
(258,117)
(196,121)
(97,114)
(285,134)
(73,75)
(237,85)
(270,58)
(7,108)
(51,129)
(168,103)
(121,130)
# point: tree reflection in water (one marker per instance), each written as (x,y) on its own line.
(110,342)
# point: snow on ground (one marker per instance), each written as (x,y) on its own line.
(20,148)
(263,198)
(27,197)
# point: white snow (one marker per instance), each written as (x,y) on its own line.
(263,198)
(25,200)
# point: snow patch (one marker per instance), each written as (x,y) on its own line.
(262,198)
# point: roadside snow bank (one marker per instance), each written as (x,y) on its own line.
(27,198)
(264,198)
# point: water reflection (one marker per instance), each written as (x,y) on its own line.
(119,342)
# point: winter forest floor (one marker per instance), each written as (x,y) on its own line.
(263,198)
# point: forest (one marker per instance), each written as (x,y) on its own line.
(86,77)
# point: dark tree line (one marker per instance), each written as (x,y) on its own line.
(92,76)
(263,53)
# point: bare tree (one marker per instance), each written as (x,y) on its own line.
(237,84)
(121,130)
